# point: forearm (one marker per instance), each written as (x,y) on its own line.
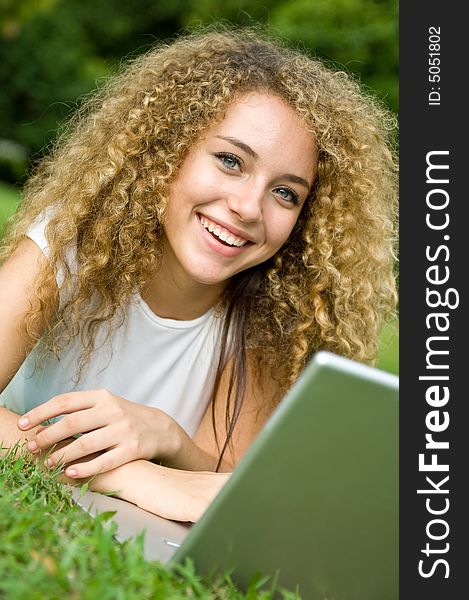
(188,455)
(169,493)
(129,482)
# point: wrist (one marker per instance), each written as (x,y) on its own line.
(128,481)
(175,438)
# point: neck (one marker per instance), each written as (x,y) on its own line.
(173,297)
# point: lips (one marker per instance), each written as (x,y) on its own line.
(223,234)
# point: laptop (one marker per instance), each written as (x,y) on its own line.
(313,503)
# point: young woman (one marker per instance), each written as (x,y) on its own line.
(214,215)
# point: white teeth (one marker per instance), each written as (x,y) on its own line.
(221,233)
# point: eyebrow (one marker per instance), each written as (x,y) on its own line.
(253,154)
(240,144)
(296,179)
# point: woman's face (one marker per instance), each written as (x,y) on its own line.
(239,191)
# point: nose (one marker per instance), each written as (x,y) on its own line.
(246,202)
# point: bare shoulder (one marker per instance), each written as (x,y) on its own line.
(18,298)
(26,259)
(18,277)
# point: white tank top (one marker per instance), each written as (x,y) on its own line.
(158,362)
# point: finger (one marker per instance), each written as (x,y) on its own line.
(56,406)
(41,428)
(81,422)
(111,459)
(94,441)
(32,445)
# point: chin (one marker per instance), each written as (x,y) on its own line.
(211,280)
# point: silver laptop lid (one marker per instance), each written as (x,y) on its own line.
(315,499)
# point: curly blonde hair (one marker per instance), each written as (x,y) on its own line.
(331,284)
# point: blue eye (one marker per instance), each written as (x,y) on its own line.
(288,195)
(228,160)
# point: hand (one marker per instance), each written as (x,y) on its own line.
(122,431)
(170,493)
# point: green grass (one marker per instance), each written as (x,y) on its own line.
(388,356)
(51,550)
(9,198)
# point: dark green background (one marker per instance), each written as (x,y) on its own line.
(53,52)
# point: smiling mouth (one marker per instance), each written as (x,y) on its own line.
(222,235)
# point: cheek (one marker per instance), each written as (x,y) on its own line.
(280,230)
(195,188)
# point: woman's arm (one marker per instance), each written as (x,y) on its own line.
(184,495)
(17,297)
(169,493)
(120,431)
(114,430)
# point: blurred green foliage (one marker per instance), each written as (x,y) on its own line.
(54,51)
(388,352)
(9,200)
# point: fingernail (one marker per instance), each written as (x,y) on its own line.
(32,446)
(50,463)
(23,422)
(71,472)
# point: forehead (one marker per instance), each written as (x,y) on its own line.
(262,110)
